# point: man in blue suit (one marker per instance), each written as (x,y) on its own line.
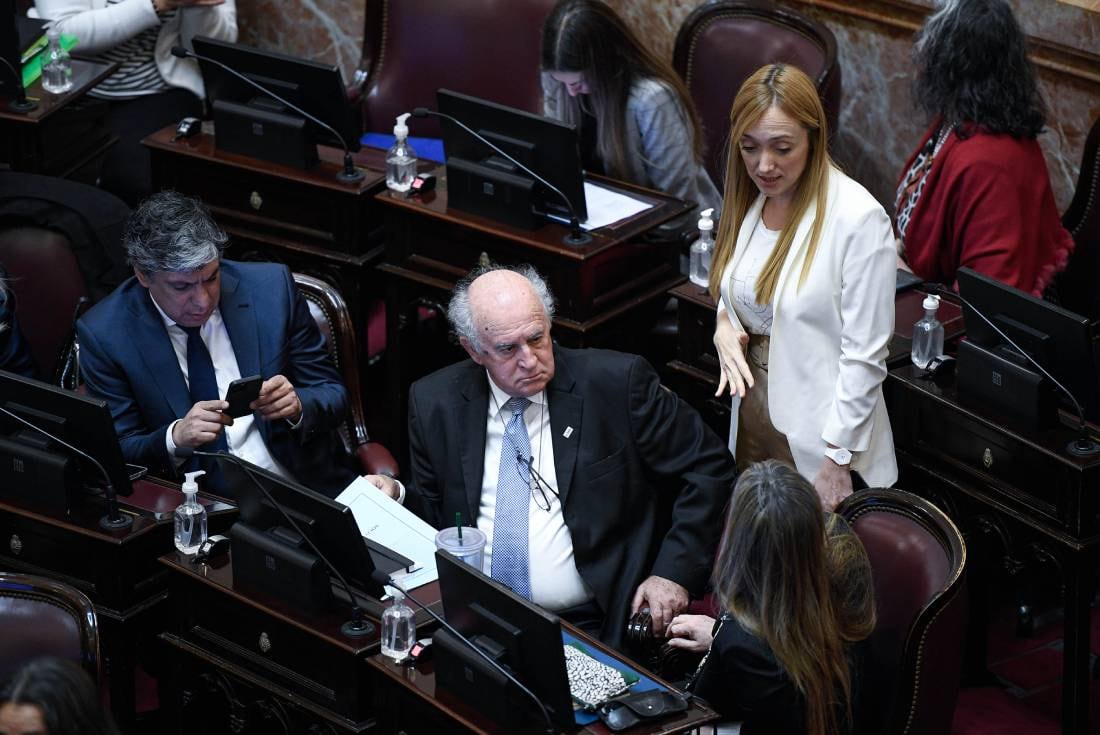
(163,348)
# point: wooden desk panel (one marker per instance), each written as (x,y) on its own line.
(116,569)
(59,138)
(410,702)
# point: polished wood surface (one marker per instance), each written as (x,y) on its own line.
(410,702)
(1030,511)
(63,136)
(241,660)
(117,569)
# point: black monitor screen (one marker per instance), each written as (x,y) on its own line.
(520,635)
(316,88)
(82,421)
(330,525)
(548,147)
(1059,340)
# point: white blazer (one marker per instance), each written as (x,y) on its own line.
(100,27)
(829,338)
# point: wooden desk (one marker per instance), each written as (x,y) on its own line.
(243,661)
(305,219)
(1030,511)
(66,135)
(117,570)
(410,703)
(601,288)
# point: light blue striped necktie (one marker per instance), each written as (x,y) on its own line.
(511,563)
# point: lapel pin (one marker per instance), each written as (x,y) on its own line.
(568,432)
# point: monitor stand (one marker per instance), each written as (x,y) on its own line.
(266,134)
(491,192)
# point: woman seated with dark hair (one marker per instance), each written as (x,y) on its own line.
(636,117)
(976,192)
(795,587)
(49,696)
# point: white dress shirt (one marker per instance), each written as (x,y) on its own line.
(555,582)
(243,437)
(740,285)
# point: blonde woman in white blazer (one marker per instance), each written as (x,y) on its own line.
(804,273)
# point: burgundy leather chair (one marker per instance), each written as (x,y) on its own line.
(915,653)
(1075,288)
(722,42)
(485,48)
(330,311)
(42,617)
(47,282)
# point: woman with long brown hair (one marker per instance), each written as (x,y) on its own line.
(795,589)
(636,118)
(804,274)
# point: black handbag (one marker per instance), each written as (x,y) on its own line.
(637,707)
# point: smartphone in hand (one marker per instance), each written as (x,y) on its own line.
(242,392)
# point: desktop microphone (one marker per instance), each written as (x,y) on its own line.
(20,104)
(576,236)
(1083,445)
(358,626)
(114,520)
(384,579)
(348,175)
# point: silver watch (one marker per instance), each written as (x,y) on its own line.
(840,455)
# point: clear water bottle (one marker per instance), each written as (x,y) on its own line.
(398,628)
(927,334)
(702,250)
(401,158)
(57,68)
(190,517)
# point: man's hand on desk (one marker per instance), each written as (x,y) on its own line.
(202,424)
(386,484)
(278,400)
(665,600)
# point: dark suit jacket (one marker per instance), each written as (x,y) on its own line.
(127,359)
(642,480)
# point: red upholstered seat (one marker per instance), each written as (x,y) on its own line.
(486,48)
(721,43)
(917,559)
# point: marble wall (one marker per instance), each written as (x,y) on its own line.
(878,124)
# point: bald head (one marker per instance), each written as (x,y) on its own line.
(502,318)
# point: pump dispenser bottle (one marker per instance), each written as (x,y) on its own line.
(702,250)
(401,158)
(927,334)
(190,517)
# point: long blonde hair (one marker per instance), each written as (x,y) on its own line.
(789,89)
(802,594)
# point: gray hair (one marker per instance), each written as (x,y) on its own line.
(461,315)
(172,232)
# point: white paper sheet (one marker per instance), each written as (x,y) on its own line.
(387,522)
(606,206)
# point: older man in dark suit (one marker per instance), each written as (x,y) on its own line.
(569,460)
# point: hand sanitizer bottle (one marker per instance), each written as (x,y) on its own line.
(398,627)
(927,334)
(57,68)
(702,250)
(190,517)
(401,158)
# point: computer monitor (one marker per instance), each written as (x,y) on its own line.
(516,633)
(329,525)
(249,122)
(82,421)
(481,181)
(1063,342)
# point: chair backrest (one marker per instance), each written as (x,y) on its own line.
(722,42)
(42,617)
(917,560)
(46,279)
(485,48)
(330,312)
(1076,285)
